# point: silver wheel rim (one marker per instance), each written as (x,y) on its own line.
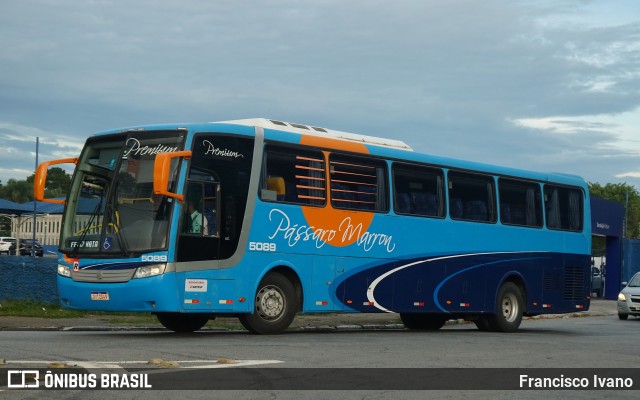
(270,303)
(510,307)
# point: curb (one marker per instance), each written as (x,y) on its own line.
(603,309)
(306,328)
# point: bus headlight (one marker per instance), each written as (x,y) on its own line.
(64,270)
(150,270)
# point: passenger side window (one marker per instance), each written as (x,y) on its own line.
(294,176)
(520,203)
(358,184)
(216,196)
(418,190)
(563,208)
(471,197)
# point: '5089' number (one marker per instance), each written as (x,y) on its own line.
(260,246)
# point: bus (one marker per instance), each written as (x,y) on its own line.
(262,219)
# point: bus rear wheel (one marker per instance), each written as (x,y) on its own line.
(182,323)
(275,306)
(423,322)
(509,309)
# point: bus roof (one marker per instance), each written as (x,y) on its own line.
(391,148)
(321,132)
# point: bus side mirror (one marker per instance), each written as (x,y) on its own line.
(162,172)
(40,180)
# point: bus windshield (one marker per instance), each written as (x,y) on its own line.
(111,208)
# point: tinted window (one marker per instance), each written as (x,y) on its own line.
(216,197)
(471,197)
(418,190)
(520,203)
(294,176)
(358,184)
(563,208)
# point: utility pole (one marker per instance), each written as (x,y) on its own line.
(33,245)
(626,214)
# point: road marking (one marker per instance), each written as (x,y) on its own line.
(121,363)
(238,363)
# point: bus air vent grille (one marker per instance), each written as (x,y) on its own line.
(553,281)
(574,283)
(103,276)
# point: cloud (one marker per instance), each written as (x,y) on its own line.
(629,175)
(19,149)
(614,131)
(538,85)
(564,125)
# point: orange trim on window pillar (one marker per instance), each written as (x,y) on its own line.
(334,144)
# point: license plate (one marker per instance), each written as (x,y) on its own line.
(100,296)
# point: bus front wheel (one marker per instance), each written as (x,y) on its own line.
(181,323)
(509,309)
(275,306)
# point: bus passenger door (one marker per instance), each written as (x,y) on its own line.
(200,226)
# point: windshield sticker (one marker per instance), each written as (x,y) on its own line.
(211,149)
(107,244)
(347,231)
(137,149)
(90,244)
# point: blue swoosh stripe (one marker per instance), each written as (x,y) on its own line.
(437,290)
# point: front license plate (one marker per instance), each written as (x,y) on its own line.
(100,296)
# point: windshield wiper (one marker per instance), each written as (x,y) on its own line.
(111,212)
(86,229)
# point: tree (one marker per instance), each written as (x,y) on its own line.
(58,182)
(57,185)
(618,192)
(17,191)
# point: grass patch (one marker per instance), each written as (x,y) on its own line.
(31,308)
(39,309)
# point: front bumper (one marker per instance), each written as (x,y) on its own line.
(629,308)
(153,294)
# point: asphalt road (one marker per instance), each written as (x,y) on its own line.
(593,343)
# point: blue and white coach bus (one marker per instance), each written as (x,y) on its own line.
(261,219)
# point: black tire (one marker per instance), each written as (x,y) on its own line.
(483,323)
(182,323)
(623,316)
(423,322)
(275,307)
(509,309)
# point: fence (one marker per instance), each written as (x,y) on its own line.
(28,278)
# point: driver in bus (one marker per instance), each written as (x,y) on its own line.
(195,222)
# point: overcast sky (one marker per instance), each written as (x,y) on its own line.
(543,85)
